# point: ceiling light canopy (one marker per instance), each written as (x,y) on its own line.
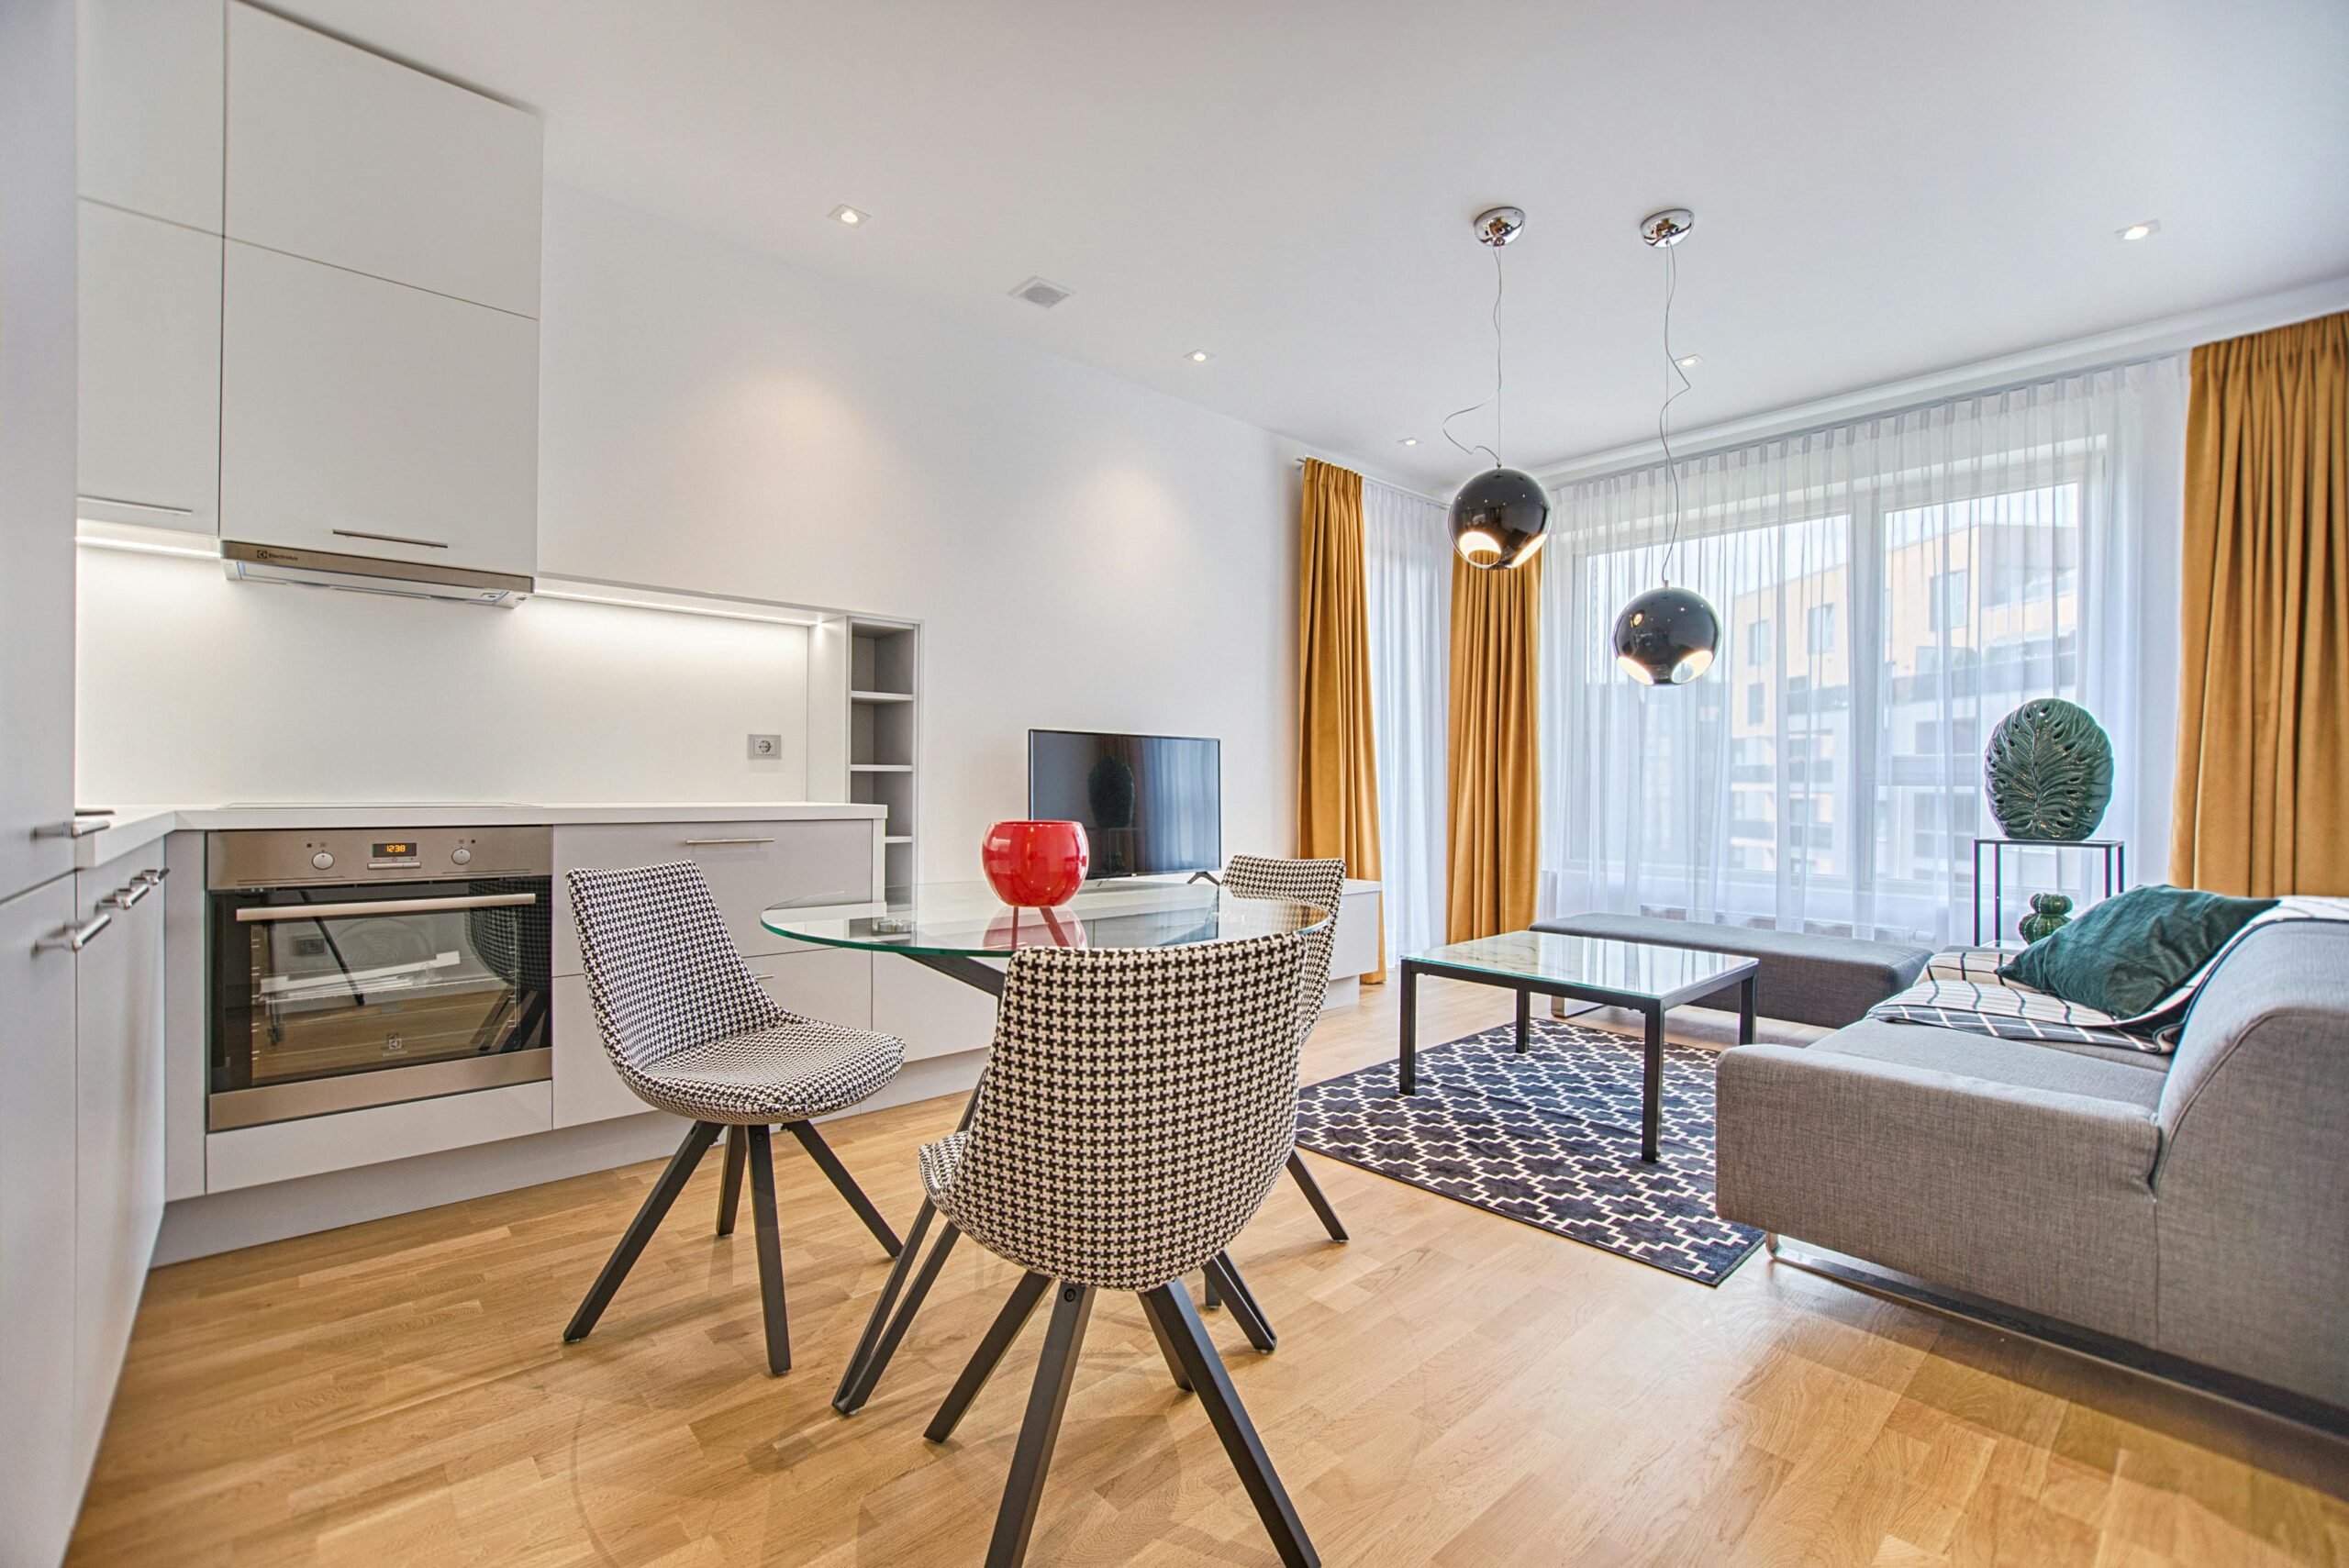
(2145,231)
(1409,442)
(1199,356)
(1500,517)
(1690,361)
(849,216)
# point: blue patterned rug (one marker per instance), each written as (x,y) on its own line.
(1551,1138)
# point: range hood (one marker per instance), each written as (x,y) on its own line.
(371,575)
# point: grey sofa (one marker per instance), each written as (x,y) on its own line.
(2196,1205)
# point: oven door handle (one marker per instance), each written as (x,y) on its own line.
(381,906)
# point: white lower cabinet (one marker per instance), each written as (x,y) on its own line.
(81,1176)
(40,1488)
(829,984)
(119,1125)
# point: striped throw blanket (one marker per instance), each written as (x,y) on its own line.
(1961,989)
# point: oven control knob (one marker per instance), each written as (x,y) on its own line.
(461,855)
(323,861)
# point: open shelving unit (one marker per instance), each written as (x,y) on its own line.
(863,710)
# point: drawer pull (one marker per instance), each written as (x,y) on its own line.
(124,897)
(73,939)
(705,843)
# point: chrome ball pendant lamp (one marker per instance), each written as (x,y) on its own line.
(1500,517)
(1667,636)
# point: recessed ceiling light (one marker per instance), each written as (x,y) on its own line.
(2145,231)
(1409,442)
(1199,356)
(1687,361)
(848,215)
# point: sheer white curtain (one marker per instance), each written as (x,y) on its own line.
(1407,583)
(1888,589)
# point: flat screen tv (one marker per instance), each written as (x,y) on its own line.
(1150,803)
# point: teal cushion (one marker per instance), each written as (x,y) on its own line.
(2127,953)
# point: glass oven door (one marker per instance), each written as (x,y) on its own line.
(331,998)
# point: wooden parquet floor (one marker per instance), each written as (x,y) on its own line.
(1451,1389)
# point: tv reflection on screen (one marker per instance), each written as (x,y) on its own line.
(1150,803)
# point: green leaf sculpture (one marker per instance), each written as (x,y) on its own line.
(2048,772)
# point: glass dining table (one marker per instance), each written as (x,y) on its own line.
(962,929)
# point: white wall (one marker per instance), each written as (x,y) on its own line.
(198,691)
(1085,554)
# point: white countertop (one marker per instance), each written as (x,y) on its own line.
(136,826)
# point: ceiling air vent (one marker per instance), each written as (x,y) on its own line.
(1041,291)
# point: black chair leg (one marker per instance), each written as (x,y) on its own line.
(1170,1306)
(699,1139)
(1313,1195)
(999,1338)
(1166,1348)
(729,1186)
(829,1164)
(868,1377)
(1055,1371)
(1209,1297)
(761,1158)
(1244,1310)
(882,1305)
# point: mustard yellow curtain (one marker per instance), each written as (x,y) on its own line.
(2263,752)
(1337,763)
(1496,770)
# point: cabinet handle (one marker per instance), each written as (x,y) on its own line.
(703,843)
(154,877)
(141,505)
(73,939)
(124,897)
(391,538)
(79,828)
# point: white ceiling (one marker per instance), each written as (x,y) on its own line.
(1883,189)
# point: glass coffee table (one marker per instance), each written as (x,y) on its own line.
(1648,979)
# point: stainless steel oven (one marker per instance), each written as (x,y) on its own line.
(353,968)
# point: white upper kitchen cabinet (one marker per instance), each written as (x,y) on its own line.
(150,81)
(370,418)
(346,157)
(150,371)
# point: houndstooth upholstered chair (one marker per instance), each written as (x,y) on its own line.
(690,1031)
(1138,1106)
(1321,883)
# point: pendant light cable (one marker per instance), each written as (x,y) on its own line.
(1664,414)
(1499,288)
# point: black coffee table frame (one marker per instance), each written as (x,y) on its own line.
(1651,1005)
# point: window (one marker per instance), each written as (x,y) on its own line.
(1757,644)
(1822,629)
(1754,700)
(1949,604)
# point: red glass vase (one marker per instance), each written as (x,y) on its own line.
(1035,865)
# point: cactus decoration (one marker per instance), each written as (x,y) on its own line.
(2048,772)
(2048,910)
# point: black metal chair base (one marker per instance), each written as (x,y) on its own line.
(748,1149)
(1192,1357)
(1303,1176)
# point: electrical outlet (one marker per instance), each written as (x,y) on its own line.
(765,747)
